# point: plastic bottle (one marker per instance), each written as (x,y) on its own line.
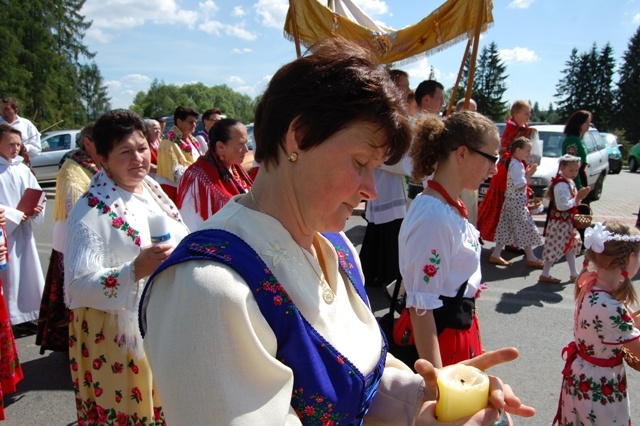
(3,259)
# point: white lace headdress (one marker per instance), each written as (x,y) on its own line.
(596,236)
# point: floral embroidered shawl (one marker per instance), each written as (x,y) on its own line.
(104,236)
(175,151)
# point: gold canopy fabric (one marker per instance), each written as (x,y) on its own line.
(452,22)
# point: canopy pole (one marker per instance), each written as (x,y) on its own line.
(294,20)
(454,92)
(474,53)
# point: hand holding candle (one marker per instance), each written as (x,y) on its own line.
(462,392)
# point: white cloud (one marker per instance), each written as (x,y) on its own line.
(520,4)
(636,19)
(208,6)
(419,71)
(238,12)
(234,79)
(241,51)
(123,90)
(99,35)
(234,30)
(373,7)
(272,13)
(518,55)
(118,14)
(256,89)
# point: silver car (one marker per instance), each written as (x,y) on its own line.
(55,145)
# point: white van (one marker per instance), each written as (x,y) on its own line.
(551,137)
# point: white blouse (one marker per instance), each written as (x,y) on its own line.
(203,315)
(439,250)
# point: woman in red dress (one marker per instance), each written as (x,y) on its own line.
(491,206)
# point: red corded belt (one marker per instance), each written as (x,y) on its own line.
(573,352)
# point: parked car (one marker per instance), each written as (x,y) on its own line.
(551,136)
(54,145)
(613,150)
(634,158)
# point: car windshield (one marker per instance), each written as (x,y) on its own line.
(551,143)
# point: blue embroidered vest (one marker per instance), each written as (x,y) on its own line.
(327,388)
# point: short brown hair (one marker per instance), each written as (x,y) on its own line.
(15,105)
(6,128)
(519,105)
(339,83)
(112,127)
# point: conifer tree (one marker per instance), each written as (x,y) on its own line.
(628,93)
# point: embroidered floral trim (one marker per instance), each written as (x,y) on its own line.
(277,292)
(185,145)
(431,269)
(89,412)
(110,283)
(345,261)
(603,391)
(315,409)
(116,221)
(211,248)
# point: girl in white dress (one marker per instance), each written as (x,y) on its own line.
(516,226)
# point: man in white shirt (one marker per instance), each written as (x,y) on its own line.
(209,118)
(30,135)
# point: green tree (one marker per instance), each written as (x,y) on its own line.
(628,92)
(489,83)
(93,92)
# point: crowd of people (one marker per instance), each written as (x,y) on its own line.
(164,247)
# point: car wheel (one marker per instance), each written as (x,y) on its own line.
(596,192)
(618,168)
(633,164)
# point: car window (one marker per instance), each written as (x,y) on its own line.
(589,142)
(551,143)
(77,140)
(600,141)
(57,142)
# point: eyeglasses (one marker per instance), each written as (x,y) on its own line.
(493,158)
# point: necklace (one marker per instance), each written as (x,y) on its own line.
(459,205)
(255,203)
(327,294)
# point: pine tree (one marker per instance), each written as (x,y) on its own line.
(489,83)
(566,88)
(93,91)
(604,92)
(628,93)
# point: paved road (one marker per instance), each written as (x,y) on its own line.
(515,310)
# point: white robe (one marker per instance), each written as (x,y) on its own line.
(22,281)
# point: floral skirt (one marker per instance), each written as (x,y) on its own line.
(560,238)
(111,387)
(53,323)
(10,369)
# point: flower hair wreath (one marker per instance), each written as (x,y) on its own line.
(596,236)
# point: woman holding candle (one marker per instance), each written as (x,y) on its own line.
(439,248)
(107,257)
(276,303)
(210,182)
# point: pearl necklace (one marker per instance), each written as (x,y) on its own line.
(327,294)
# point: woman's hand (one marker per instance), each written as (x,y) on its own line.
(3,218)
(150,258)
(501,396)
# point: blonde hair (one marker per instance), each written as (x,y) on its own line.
(615,255)
(519,106)
(562,161)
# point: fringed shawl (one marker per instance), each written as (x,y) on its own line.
(175,151)
(72,181)
(211,185)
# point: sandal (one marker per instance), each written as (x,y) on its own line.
(499,261)
(546,279)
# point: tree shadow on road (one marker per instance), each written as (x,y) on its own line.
(535,295)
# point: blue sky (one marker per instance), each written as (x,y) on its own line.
(240,43)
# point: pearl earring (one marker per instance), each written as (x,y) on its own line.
(293,157)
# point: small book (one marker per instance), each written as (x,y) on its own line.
(30,199)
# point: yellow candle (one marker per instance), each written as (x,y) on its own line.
(462,392)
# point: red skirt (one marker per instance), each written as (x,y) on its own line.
(460,345)
(10,369)
(491,206)
(171,191)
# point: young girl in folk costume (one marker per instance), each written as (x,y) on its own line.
(561,238)
(516,226)
(594,386)
(491,206)
(10,369)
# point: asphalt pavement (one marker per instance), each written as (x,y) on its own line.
(515,310)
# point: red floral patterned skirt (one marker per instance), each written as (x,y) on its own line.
(10,369)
